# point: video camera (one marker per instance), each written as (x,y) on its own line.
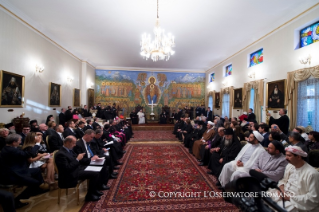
(255,184)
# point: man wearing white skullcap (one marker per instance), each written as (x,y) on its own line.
(300,183)
(208,134)
(244,160)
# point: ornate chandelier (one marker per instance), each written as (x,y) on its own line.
(161,47)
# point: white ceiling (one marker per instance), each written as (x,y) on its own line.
(108,32)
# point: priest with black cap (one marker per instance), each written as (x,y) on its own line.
(227,151)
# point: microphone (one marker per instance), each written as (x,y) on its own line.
(264,180)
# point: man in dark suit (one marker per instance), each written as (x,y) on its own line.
(96,125)
(86,112)
(98,108)
(264,131)
(62,119)
(43,128)
(69,130)
(89,125)
(68,114)
(282,122)
(251,116)
(203,110)
(198,110)
(56,139)
(209,114)
(25,130)
(83,145)
(14,163)
(72,167)
(80,130)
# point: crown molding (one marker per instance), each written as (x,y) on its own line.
(149,69)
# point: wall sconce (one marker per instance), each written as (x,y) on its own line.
(252,75)
(69,79)
(225,83)
(305,60)
(92,85)
(39,69)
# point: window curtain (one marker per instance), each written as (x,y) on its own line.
(292,90)
(212,95)
(307,103)
(225,105)
(230,91)
(258,86)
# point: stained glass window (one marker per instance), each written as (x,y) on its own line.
(212,77)
(256,57)
(228,70)
(309,35)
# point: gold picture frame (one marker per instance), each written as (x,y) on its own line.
(90,98)
(217,100)
(6,98)
(280,94)
(54,95)
(238,102)
(76,97)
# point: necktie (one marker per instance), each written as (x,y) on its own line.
(90,151)
(62,137)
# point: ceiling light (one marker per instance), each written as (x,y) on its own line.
(161,47)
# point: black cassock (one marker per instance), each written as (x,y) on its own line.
(227,153)
(163,118)
(134,118)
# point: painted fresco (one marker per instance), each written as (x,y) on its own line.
(131,88)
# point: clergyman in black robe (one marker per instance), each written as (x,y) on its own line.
(276,98)
(226,152)
(134,117)
(163,117)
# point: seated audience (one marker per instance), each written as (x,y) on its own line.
(80,130)
(4,132)
(25,130)
(244,160)
(300,183)
(70,129)
(36,160)
(56,138)
(204,140)
(72,167)
(264,131)
(295,140)
(227,151)
(313,143)
(282,122)
(14,162)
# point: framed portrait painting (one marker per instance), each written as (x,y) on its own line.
(54,95)
(76,97)
(238,98)
(11,89)
(275,94)
(217,100)
(90,98)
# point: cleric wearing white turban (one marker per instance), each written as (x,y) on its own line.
(244,160)
(300,183)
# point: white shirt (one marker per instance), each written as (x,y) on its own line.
(60,134)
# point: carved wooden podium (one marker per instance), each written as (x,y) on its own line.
(19,122)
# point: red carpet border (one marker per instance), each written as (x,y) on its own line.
(157,169)
(154,136)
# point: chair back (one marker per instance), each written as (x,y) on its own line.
(47,142)
(55,167)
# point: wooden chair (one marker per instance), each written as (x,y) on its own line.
(47,142)
(66,189)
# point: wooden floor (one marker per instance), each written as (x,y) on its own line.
(48,201)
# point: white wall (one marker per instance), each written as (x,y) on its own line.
(21,49)
(280,57)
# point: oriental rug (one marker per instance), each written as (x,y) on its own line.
(145,135)
(160,177)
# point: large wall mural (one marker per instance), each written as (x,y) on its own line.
(131,88)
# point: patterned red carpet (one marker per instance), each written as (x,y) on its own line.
(145,135)
(160,177)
